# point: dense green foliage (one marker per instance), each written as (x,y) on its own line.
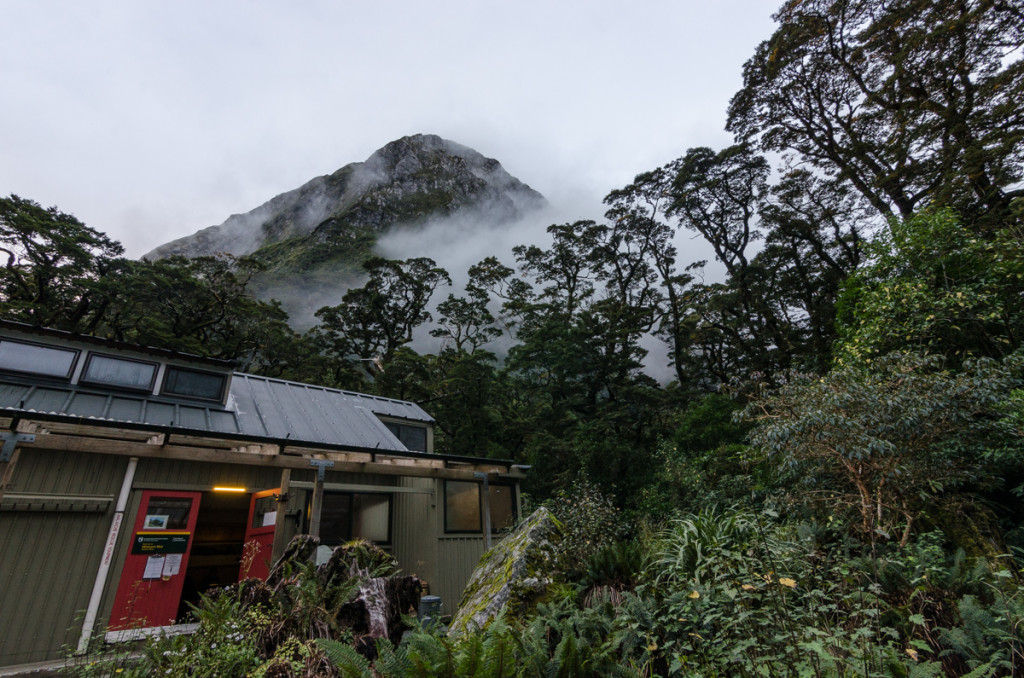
(829,486)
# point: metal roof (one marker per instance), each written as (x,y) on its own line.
(257,407)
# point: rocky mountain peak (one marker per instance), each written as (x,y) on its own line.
(409,180)
(312,240)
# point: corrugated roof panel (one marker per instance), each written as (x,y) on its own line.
(397,408)
(274,420)
(380,431)
(46,400)
(159,414)
(192,418)
(126,409)
(13,395)
(307,413)
(256,406)
(292,405)
(88,405)
(223,422)
(242,403)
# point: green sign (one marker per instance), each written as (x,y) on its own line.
(156,543)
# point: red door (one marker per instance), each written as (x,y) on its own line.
(259,535)
(154,570)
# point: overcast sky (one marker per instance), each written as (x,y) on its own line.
(150,120)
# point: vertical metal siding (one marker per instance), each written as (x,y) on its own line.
(457,558)
(48,560)
(414,532)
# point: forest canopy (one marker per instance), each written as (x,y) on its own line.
(849,395)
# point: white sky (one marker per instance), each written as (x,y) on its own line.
(150,120)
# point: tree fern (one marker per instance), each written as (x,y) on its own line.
(394,662)
(430,655)
(350,663)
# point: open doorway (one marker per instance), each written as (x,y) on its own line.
(217,545)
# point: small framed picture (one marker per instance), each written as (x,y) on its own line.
(155,522)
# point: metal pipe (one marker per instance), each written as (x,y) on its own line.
(89,623)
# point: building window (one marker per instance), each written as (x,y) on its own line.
(45,361)
(345,516)
(105,370)
(194,384)
(463,511)
(413,437)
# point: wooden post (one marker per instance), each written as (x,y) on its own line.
(314,512)
(318,494)
(283,502)
(7,471)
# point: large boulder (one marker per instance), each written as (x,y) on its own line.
(513,576)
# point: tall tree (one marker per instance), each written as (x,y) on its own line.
(576,371)
(373,321)
(201,305)
(910,101)
(54,263)
(638,212)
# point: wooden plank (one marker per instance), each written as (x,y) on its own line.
(298,450)
(205,454)
(199,441)
(257,449)
(410,461)
(114,433)
(7,471)
(356,487)
(25,426)
(282,510)
(316,506)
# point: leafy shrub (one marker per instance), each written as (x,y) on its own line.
(590,521)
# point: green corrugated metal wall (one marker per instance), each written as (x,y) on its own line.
(48,559)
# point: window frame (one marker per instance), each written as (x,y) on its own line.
(400,425)
(352,514)
(83,378)
(167,374)
(77,354)
(480,506)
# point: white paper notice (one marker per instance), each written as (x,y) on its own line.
(154,567)
(172,564)
(269,518)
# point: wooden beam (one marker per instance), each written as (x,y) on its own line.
(282,514)
(7,471)
(228,456)
(316,506)
(410,461)
(356,487)
(298,450)
(199,441)
(257,449)
(113,433)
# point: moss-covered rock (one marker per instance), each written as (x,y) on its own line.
(971,526)
(513,576)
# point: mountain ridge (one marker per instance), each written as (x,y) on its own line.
(311,241)
(406,181)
